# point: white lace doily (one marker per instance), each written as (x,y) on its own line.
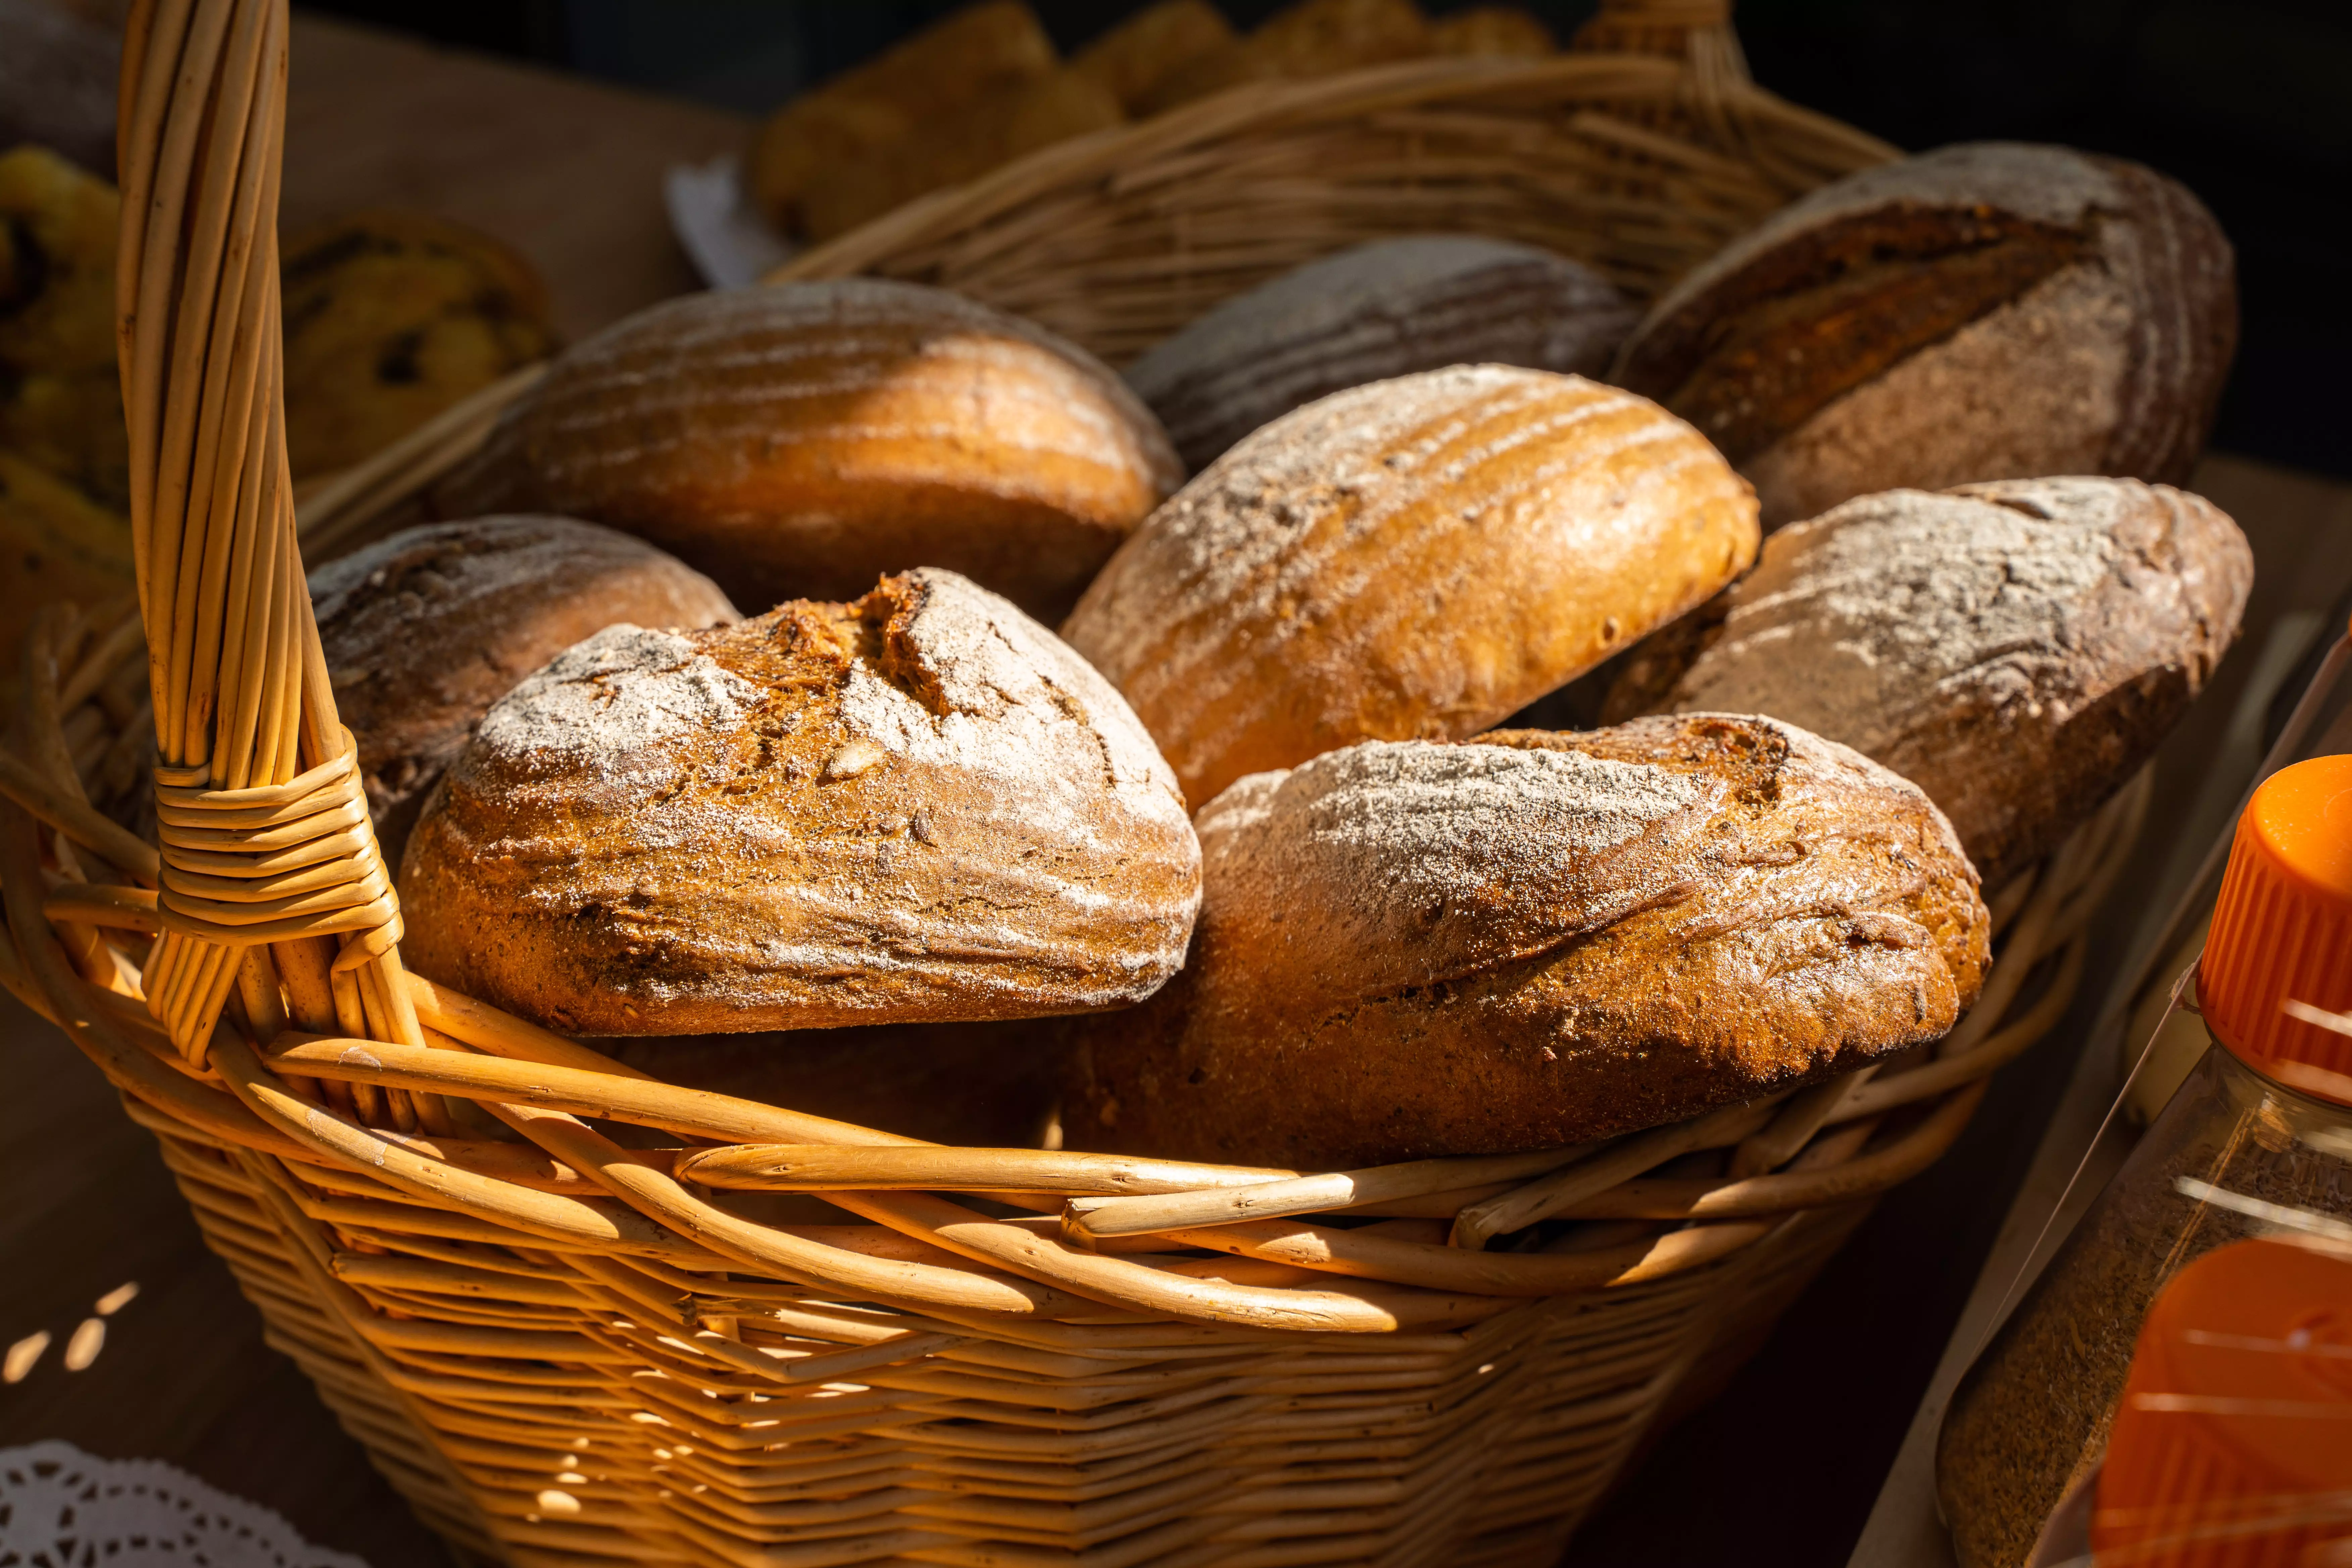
(60,1507)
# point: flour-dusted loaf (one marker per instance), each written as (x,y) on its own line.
(1371,312)
(424,630)
(1417,558)
(1536,939)
(798,440)
(1984,311)
(917,807)
(2017,649)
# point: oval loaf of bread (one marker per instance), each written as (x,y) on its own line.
(1533,940)
(1417,558)
(423,630)
(1371,312)
(919,805)
(801,439)
(2017,649)
(1984,311)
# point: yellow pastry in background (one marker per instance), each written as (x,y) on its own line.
(1013,117)
(56,546)
(1310,38)
(390,318)
(60,396)
(1491,30)
(864,113)
(1134,57)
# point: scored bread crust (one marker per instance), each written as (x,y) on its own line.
(2016,649)
(1414,559)
(919,805)
(423,629)
(799,440)
(1985,310)
(1371,312)
(1535,939)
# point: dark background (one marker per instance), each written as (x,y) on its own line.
(2249,102)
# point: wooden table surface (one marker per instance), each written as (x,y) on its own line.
(568,172)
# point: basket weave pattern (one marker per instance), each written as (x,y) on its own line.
(562,1303)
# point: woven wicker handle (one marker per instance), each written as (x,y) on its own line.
(270,871)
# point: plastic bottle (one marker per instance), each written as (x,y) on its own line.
(2257,1143)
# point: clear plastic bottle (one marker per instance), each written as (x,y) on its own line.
(2257,1142)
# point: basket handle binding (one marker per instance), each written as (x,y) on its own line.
(271,871)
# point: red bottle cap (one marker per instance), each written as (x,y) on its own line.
(2277,970)
(2232,1445)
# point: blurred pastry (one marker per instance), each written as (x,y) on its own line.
(1134,57)
(391,317)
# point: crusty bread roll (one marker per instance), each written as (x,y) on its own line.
(977,1086)
(1984,311)
(1532,939)
(1132,59)
(934,73)
(1415,558)
(1491,30)
(1371,312)
(801,439)
(917,806)
(424,629)
(2017,649)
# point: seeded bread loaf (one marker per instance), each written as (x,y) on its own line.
(798,440)
(917,807)
(1371,312)
(1417,558)
(424,630)
(1533,940)
(2016,649)
(1984,311)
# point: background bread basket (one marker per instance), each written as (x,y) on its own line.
(562,1349)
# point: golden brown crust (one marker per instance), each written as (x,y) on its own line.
(1533,940)
(423,630)
(865,113)
(802,439)
(1417,558)
(917,806)
(1985,310)
(2016,649)
(1131,59)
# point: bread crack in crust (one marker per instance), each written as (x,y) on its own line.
(1411,949)
(919,805)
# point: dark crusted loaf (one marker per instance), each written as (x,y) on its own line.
(2016,649)
(1411,949)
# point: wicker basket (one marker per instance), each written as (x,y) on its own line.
(552,1295)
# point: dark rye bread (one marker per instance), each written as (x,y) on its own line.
(1371,312)
(920,807)
(423,629)
(1535,939)
(1988,311)
(799,440)
(1415,559)
(2016,649)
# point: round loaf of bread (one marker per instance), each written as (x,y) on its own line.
(1414,559)
(2017,649)
(801,439)
(1533,940)
(919,805)
(1371,312)
(423,630)
(1985,311)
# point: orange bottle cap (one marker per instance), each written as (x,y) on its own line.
(2232,1443)
(2276,983)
